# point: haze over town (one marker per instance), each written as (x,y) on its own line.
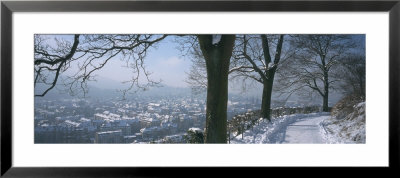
(106,108)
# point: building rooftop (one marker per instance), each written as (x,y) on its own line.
(109,132)
(72,123)
(194,129)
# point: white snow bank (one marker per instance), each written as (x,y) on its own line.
(350,129)
(271,132)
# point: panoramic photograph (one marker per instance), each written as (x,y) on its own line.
(199,89)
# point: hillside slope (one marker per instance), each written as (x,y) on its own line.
(347,124)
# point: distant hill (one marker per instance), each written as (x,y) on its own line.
(108,88)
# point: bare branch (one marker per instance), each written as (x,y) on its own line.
(91,53)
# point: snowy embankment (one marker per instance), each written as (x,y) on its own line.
(346,127)
(274,131)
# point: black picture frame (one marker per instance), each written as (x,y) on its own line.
(8,7)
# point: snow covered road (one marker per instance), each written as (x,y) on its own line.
(306,130)
(296,128)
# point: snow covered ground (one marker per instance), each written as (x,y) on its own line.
(305,130)
(309,128)
(349,128)
(296,128)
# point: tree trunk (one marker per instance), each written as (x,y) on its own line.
(217,58)
(266,99)
(264,108)
(270,74)
(326,93)
(325,104)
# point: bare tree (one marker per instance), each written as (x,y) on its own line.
(197,76)
(352,74)
(96,50)
(90,53)
(217,52)
(311,69)
(51,61)
(255,53)
(251,61)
